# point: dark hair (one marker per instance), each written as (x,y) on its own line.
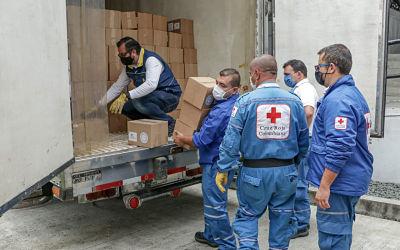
(339,55)
(130,44)
(235,82)
(297,66)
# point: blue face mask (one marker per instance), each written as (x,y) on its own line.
(289,81)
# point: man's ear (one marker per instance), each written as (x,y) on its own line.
(333,68)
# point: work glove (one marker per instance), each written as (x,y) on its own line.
(221,179)
(118,104)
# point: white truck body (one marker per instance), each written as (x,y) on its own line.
(36,141)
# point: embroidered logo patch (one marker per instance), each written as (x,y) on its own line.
(273,121)
(368,124)
(234,111)
(340,123)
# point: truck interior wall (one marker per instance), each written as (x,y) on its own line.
(224,30)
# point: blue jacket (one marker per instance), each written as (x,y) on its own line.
(340,139)
(167,81)
(211,133)
(266,123)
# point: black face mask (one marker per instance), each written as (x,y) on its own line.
(126,60)
(318,77)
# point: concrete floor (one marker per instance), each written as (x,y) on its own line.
(164,223)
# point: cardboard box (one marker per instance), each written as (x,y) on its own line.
(192,116)
(175,55)
(145,20)
(113,19)
(181,26)
(198,92)
(182,83)
(184,129)
(190,56)
(147,133)
(131,33)
(114,70)
(178,69)
(113,36)
(190,70)
(113,54)
(174,40)
(179,107)
(74,15)
(187,41)
(129,20)
(160,38)
(117,123)
(163,52)
(160,22)
(74,35)
(148,47)
(174,114)
(145,37)
(76,63)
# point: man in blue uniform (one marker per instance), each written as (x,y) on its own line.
(157,91)
(340,162)
(218,231)
(269,128)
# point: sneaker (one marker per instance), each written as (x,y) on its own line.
(171,127)
(302,233)
(199,237)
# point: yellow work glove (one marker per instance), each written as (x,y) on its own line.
(221,179)
(118,104)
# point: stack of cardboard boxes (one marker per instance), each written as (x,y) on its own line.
(197,101)
(95,64)
(88,77)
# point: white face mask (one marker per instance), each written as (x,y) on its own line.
(253,85)
(218,93)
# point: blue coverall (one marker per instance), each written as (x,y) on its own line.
(217,226)
(266,123)
(340,143)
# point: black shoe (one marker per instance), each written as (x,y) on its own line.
(171,128)
(302,233)
(199,237)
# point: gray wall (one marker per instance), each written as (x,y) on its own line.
(394,29)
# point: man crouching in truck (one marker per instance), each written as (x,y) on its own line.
(157,91)
(218,231)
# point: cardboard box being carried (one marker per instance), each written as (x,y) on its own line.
(174,114)
(192,116)
(147,133)
(113,19)
(182,83)
(198,92)
(129,20)
(183,129)
(181,26)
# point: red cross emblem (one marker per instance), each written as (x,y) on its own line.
(340,121)
(273,115)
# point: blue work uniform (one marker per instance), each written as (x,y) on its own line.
(217,226)
(340,143)
(164,99)
(267,125)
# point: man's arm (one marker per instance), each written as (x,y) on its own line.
(324,190)
(309,110)
(154,69)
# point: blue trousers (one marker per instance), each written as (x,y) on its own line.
(217,226)
(335,224)
(302,209)
(155,105)
(259,189)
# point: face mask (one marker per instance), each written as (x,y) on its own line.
(126,60)
(289,81)
(219,93)
(253,85)
(319,78)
